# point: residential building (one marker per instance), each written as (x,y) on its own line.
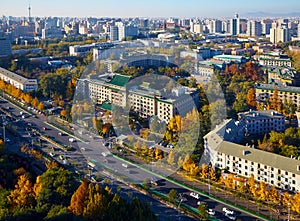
(279,33)
(285,93)
(262,122)
(18,81)
(114,33)
(222,151)
(274,59)
(254,28)
(281,75)
(5,45)
(235,25)
(52,32)
(79,50)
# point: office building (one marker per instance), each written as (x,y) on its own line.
(142,99)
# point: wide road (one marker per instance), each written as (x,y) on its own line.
(93,150)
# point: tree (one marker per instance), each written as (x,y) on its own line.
(262,191)
(79,199)
(1,146)
(23,194)
(171,158)
(205,171)
(251,98)
(274,195)
(202,209)
(172,195)
(41,106)
(275,102)
(35,102)
(63,113)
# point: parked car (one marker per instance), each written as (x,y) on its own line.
(72,140)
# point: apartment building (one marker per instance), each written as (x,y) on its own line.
(264,92)
(274,59)
(222,151)
(18,81)
(262,122)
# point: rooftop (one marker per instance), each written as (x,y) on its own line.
(119,80)
(282,88)
(13,76)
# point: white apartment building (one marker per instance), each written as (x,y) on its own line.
(18,81)
(222,152)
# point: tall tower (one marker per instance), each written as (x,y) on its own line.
(29,13)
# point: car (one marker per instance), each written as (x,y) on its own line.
(82,148)
(7,140)
(211,212)
(44,128)
(227,211)
(198,203)
(72,140)
(154,181)
(52,154)
(195,195)
(125,165)
(230,216)
(60,133)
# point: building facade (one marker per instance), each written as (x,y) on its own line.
(222,152)
(18,81)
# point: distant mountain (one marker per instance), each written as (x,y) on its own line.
(260,14)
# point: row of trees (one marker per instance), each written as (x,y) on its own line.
(54,196)
(19,94)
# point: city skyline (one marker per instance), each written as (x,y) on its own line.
(155,8)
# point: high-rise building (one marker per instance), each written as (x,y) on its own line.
(114,33)
(299,30)
(5,45)
(279,33)
(254,28)
(235,25)
(127,31)
(215,26)
(266,26)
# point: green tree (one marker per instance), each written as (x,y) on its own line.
(172,195)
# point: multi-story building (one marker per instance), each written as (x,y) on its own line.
(262,122)
(52,32)
(222,152)
(281,75)
(285,93)
(145,101)
(114,33)
(79,50)
(274,60)
(235,25)
(127,31)
(279,33)
(18,81)
(254,28)
(5,45)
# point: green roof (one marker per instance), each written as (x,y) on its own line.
(107,106)
(120,80)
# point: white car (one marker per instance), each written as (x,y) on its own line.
(230,216)
(52,154)
(124,165)
(72,140)
(228,211)
(195,195)
(211,212)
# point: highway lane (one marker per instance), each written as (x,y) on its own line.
(92,151)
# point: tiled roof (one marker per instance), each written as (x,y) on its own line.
(120,80)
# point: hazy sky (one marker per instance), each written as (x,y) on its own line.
(145,8)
